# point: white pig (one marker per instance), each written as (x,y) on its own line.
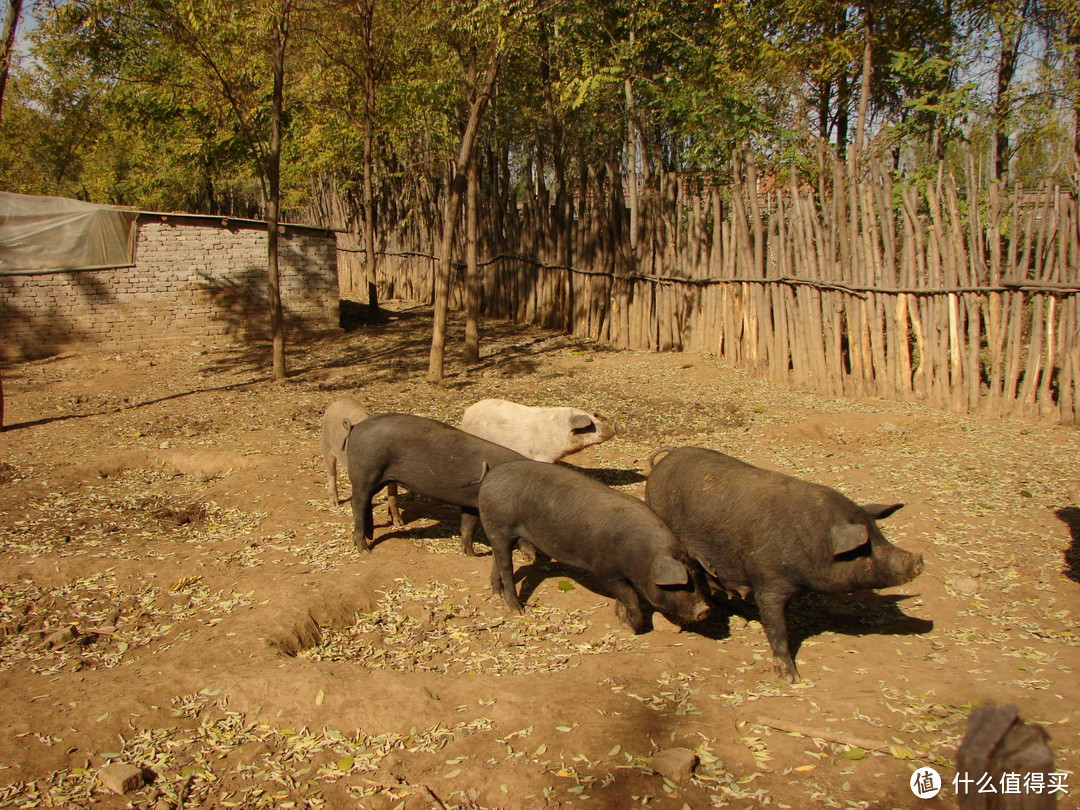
(340,415)
(538,433)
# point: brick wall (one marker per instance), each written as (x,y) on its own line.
(194,279)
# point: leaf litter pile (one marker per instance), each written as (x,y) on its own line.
(178,598)
(436,628)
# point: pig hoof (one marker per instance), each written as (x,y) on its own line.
(629,619)
(361,543)
(790,676)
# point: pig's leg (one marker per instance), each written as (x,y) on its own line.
(502,571)
(771,604)
(363,491)
(469,519)
(331,478)
(627,605)
(392,504)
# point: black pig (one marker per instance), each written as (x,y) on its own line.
(773,534)
(587,525)
(429,457)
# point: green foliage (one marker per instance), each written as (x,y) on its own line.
(166,104)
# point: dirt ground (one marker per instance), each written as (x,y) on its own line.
(177,595)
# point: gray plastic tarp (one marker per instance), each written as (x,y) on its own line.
(39,234)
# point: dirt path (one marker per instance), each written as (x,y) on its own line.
(175,594)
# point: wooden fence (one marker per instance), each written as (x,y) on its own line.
(960,295)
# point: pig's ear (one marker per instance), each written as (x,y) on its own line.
(847,537)
(706,566)
(669,571)
(582,423)
(879,511)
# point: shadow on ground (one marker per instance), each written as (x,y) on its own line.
(395,342)
(811,614)
(1070,516)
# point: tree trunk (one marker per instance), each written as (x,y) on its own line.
(631,159)
(280,36)
(562,215)
(843,114)
(824,119)
(370,276)
(472,270)
(1073,40)
(479,94)
(7,42)
(864,90)
(367,12)
(1010,33)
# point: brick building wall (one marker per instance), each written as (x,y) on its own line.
(195,278)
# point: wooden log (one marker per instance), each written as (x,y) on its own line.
(862,308)
(829,735)
(1014,344)
(1069,380)
(974,384)
(749,332)
(852,342)
(779,354)
(1033,367)
(798,350)
(733,324)
(664,315)
(1045,404)
(881,376)
(901,329)
(920,376)
(956,380)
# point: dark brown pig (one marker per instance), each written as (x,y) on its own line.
(587,525)
(774,535)
(428,457)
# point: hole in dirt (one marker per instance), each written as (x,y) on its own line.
(8,473)
(305,630)
(182,514)
(455,629)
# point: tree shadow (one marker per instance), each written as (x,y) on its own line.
(392,343)
(32,333)
(399,346)
(1070,516)
(101,412)
(352,315)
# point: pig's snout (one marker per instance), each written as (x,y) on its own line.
(696,611)
(908,567)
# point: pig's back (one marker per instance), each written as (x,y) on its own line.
(333,428)
(427,456)
(741,518)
